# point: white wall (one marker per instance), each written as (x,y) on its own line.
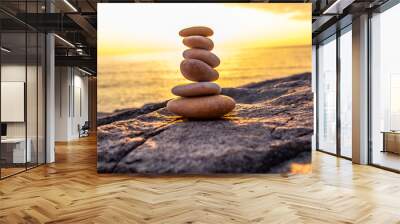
(12,73)
(13,101)
(80,110)
(33,126)
(62,81)
(71,102)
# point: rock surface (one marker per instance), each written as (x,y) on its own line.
(198,71)
(128,113)
(204,107)
(271,125)
(202,55)
(196,30)
(198,42)
(197,89)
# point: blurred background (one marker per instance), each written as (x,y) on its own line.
(139,57)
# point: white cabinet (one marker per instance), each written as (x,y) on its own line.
(19,155)
(12,101)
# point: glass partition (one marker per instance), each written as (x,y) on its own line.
(327,95)
(31,98)
(41,97)
(346,92)
(385,89)
(35,87)
(22,77)
(14,153)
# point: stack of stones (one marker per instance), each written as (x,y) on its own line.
(201,99)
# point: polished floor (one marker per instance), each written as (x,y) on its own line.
(386,159)
(5,172)
(9,171)
(70,191)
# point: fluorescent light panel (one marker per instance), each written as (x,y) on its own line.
(5,50)
(333,6)
(84,71)
(65,41)
(338,6)
(70,5)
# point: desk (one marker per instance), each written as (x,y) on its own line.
(17,150)
(391,141)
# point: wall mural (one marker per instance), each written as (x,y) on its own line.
(204,88)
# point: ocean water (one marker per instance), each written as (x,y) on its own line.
(134,80)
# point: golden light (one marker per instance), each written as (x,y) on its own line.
(140,51)
(154,27)
(300,168)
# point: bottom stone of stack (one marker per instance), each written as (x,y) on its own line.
(203,107)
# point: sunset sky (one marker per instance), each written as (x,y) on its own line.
(125,29)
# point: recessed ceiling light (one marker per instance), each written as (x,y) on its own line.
(337,7)
(65,41)
(84,71)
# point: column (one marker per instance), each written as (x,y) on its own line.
(360,90)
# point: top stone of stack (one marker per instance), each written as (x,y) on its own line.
(196,31)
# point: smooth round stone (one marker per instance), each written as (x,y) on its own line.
(197,89)
(202,55)
(198,42)
(198,71)
(203,107)
(196,30)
